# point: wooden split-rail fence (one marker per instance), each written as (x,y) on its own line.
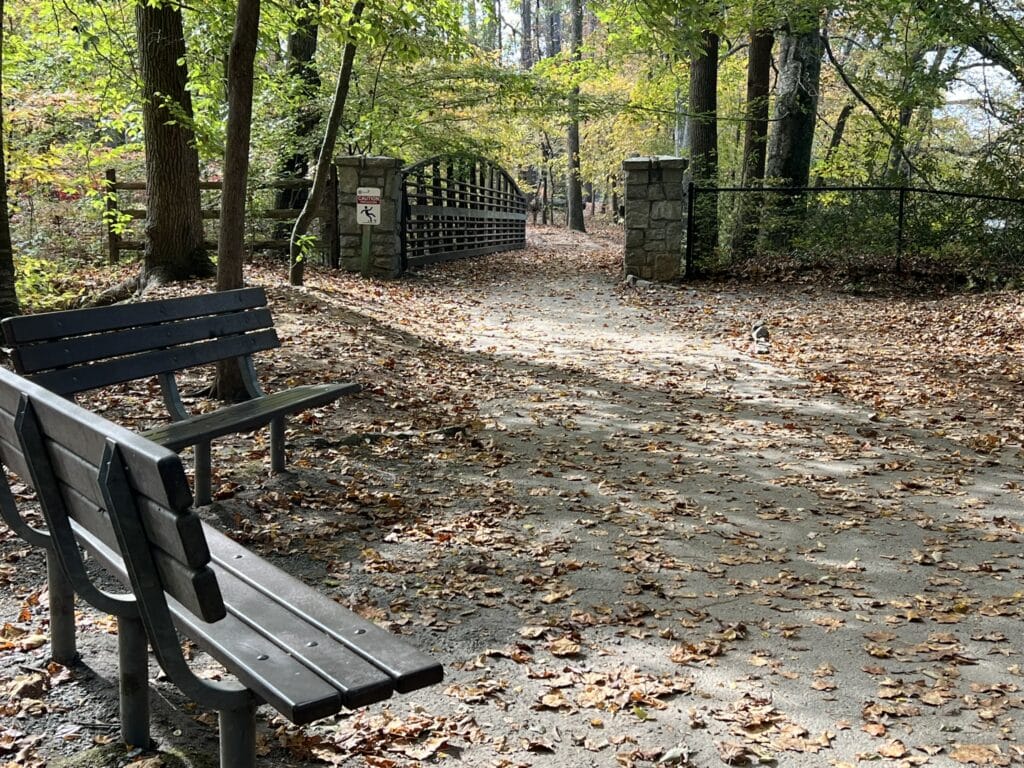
(329,244)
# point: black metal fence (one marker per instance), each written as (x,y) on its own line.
(877,227)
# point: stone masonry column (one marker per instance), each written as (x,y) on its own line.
(654,217)
(386,237)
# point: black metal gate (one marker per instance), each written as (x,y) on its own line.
(457,206)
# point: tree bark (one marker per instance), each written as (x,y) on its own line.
(8,291)
(574,189)
(526,52)
(792,140)
(796,108)
(755,140)
(704,143)
(174,224)
(296,258)
(231,241)
(302,73)
(228,383)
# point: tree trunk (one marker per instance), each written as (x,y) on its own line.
(554,29)
(796,108)
(303,75)
(296,256)
(174,223)
(526,52)
(231,242)
(755,139)
(8,291)
(574,189)
(704,143)
(792,139)
(837,138)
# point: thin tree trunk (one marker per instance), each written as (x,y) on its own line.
(8,291)
(836,140)
(755,140)
(526,52)
(296,257)
(574,190)
(228,383)
(231,241)
(174,223)
(704,142)
(303,75)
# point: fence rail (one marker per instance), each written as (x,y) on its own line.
(328,216)
(882,224)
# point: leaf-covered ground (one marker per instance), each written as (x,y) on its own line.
(630,540)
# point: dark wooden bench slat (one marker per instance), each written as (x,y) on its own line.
(409,668)
(158,477)
(104,373)
(280,679)
(180,535)
(246,416)
(75,349)
(29,328)
(359,682)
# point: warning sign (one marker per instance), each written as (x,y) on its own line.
(368,205)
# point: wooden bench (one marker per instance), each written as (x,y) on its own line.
(78,350)
(126,501)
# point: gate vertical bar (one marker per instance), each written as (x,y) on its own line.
(901,222)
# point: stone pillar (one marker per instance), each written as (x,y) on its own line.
(385,237)
(654,217)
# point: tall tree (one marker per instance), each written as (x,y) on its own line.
(8,293)
(303,75)
(704,141)
(791,141)
(174,222)
(755,137)
(526,51)
(796,106)
(574,187)
(296,257)
(230,244)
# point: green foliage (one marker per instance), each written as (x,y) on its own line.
(45,284)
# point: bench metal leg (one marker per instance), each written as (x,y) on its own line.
(133,662)
(238,736)
(62,612)
(202,493)
(277,459)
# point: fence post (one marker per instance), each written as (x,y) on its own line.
(330,225)
(901,221)
(691,192)
(110,213)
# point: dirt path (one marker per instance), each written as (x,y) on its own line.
(647,545)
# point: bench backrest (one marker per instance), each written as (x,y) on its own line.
(81,349)
(62,450)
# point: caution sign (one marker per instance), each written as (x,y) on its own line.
(368,205)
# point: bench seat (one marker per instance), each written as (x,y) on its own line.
(246,416)
(305,655)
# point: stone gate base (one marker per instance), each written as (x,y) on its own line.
(654,217)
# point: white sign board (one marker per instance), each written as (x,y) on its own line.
(368,205)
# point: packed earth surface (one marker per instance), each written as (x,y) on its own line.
(631,538)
